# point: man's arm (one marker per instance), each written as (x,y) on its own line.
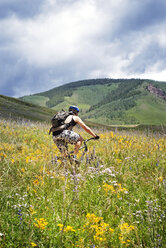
(84,126)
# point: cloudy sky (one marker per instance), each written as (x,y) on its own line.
(47,43)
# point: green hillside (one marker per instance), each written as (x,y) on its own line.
(108,101)
(149,109)
(17,109)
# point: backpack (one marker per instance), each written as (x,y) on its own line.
(58,121)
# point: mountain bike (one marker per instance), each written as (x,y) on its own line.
(86,157)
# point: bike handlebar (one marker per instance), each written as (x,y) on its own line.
(85,145)
(85,141)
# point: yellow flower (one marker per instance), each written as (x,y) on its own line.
(111,230)
(69,229)
(33,244)
(120,188)
(32,211)
(126,228)
(93,218)
(27,160)
(99,238)
(41,223)
(36,182)
(62,178)
(118,160)
(66,229)
(60,226)
(160,179)
(22,170)
(111,134)
(108,188)
(97,227)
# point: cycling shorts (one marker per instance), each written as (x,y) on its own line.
(64,138)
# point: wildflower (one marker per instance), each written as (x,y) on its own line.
(111,230)
(60,226)
(20,215)
(160,179)
(126,228)
(112,134)
(97,238)
(62,178)
(36,182)
(33,244)
(69,229)
(108,188)
(98,227)
(27,160)
(120,189)
(66,229)
(32,211)
(22,170)
(93,218)
(118,160)
(41,223)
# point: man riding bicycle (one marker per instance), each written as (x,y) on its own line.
(67,136)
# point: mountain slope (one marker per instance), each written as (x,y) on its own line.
(17,109)
(108,101)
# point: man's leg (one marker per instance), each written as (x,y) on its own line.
(62,146)
(68,136)
(78,145)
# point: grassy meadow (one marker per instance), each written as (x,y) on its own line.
(115,198)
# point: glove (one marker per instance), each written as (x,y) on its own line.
(97,137)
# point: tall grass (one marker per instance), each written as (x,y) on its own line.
(118,200)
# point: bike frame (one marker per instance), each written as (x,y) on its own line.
(85,145)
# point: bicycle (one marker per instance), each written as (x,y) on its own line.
(69,159)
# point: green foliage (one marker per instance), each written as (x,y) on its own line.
(107,101)
(56,95)
(86,96)
(125,89)
(35,99)
(160,85)
(18,109)
(150,110)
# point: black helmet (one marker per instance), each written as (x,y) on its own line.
(74,109)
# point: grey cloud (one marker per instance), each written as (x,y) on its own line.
(151,55)
(19,78)
(150,13)
(138,16)
(20,8)
(129,45)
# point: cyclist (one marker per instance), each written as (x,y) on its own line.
(67,136)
